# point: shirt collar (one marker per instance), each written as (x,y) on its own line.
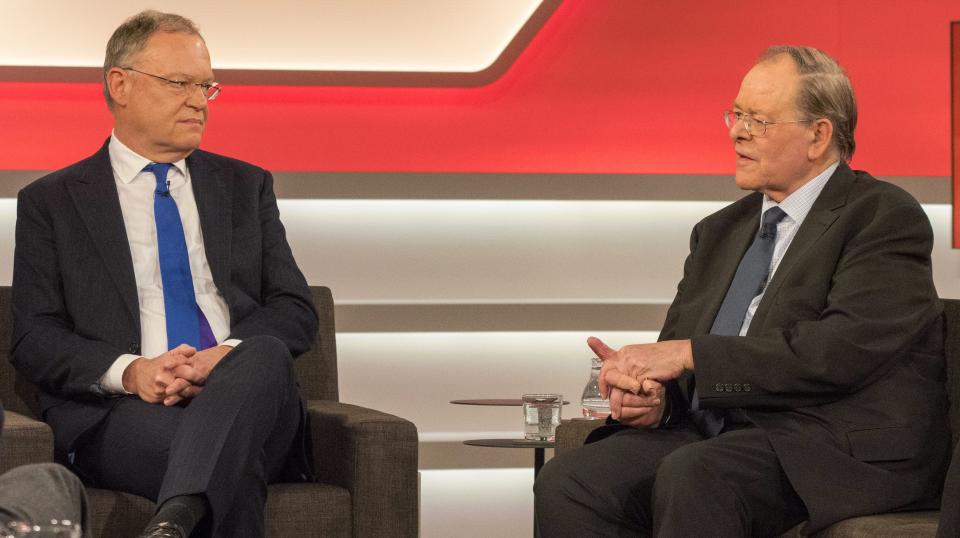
(799,203)
(127,164)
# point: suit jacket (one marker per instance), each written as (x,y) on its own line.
(74,295)
(843,363)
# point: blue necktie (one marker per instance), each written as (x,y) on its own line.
(186,323)
(749,281)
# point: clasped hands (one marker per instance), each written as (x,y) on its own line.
(632,378)
(174,376)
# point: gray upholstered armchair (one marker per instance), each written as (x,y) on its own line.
(366,460)
(573,433)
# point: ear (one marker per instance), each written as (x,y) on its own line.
(821,138)
(118,83)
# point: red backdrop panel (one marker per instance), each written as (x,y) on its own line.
(955,132)
(619,86)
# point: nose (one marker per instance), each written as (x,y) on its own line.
(738,131)
(196,99)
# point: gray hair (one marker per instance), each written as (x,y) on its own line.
(825,92)
(131,37)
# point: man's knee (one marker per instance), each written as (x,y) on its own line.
(681,470)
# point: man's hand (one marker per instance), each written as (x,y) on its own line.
(193,373)
(628,367)
(644,409)
(149,378)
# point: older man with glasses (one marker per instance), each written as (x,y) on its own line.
(157,304)
(799,371)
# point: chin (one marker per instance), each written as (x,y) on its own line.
(746,182)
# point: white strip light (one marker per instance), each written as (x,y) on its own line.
(455,36)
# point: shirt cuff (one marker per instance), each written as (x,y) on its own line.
(112,381)
(233,342)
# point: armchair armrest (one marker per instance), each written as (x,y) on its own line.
(25,440)
(374,456)
(571,433)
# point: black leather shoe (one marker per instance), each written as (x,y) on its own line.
(164,530)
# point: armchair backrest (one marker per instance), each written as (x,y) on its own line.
(316,369)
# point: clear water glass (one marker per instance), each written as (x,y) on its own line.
(541,416)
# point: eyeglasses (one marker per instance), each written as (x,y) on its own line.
(210,90)
(753,126)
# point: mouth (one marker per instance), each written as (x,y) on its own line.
(192,121)
(744,158)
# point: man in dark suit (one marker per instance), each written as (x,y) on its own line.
(799,372)
(157,304)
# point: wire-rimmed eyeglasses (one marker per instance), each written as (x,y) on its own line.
(210,90)
(753,126)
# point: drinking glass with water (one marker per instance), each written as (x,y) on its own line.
(541,416)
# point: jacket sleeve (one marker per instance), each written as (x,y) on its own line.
(285,307)
(46,347)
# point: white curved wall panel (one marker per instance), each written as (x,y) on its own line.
(461,36)
(396,251)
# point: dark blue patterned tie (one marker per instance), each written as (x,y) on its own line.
(186,323)
(749,281)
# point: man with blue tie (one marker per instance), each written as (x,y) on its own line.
(157,304)
(798,376)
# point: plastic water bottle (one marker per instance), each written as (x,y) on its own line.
(592,404)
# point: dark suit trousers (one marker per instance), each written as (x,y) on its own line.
(664,483)
(227,443)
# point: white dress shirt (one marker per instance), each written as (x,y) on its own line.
(136,190)
(796,206)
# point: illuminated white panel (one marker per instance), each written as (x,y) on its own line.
(416,375)
(476,503)
(490,251)
(392,251)
(344,35)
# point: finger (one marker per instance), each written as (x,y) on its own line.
(171,360)
(651,386)
(191,392)
(191,374)
(172,400)
(602,350)
(640,400)
(184,349)
(616,401)
(622,381)
(176,386)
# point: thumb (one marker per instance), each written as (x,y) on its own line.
(602,350)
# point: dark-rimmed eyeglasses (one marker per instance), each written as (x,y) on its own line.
(753,126)
(210,90)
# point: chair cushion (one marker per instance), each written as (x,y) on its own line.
(25,440)
(892,525)
(302,510)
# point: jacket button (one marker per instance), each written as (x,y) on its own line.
(718,387)
(133,348)
(737,387)
(729,387)
(746,387)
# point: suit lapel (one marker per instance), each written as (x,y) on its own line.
(825,211)
(94,194)
(213,190)
(732,238)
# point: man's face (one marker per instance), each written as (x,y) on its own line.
(778,162)
(155,118)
